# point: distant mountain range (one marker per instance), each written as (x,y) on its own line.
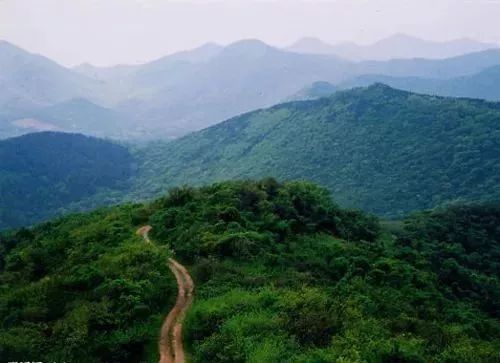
(29,80)
(201,54)
(187,91)
(387,151)
(483,85)
(394,47)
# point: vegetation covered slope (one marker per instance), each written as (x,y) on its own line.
(282,274)
(82,289)
(380,149)
(44,173)
(322,298)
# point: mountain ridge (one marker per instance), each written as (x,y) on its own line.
(352,143)
(173,96)
(397,46)
(378,148)
(482,85)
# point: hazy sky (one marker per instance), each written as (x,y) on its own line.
(105,32)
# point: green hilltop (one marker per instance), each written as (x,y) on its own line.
(281,272)
(380,149)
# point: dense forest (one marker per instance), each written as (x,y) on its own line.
(380,149)
(282,274)
(42,174)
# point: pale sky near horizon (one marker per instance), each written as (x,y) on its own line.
(107,32)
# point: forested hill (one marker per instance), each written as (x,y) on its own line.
(380,149)
(43,172)
(282,274)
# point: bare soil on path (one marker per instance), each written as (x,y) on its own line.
(170,344)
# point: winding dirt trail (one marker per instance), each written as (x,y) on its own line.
(170,344)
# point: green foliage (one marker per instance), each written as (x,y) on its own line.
(383,150)
(315,283)
(386,151)
(82,289)
(245,219)
(282,275)
(42,174)
(461,244)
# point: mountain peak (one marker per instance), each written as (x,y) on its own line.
(250,44)
(379,86)
(247,48)
(383,88)
(374,90)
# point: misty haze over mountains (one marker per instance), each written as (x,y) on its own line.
(191,90)
(203,181)
(396,46)
(482,85)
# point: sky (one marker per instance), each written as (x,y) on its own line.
(108,32)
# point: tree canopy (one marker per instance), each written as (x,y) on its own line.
(282,273)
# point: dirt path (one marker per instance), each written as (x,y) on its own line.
(170,342)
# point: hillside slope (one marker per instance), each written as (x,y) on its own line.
(282,274)
(380,149)
(44,173)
